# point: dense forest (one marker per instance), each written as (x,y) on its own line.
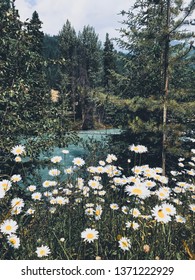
(57,84)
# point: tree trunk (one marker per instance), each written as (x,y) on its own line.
(166,87)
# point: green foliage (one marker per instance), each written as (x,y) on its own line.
(151,60)
(109,61)
(27,110)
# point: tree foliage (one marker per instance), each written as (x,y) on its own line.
(27,111)
(152,66)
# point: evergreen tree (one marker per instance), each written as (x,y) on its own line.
(151,27)
(35,34)
(27,110)
(89,56)
(51,54)
(69,71)
(108,61)
(89,61)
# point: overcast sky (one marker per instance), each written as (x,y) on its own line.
(103,15)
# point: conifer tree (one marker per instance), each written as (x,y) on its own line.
(35,34)
(69,71)
(27,111)
(151,27)
(89,62)
(108,61)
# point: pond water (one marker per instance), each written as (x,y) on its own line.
(78,150)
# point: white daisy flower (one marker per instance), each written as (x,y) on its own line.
(18,159)
(36,196)
(133,225)
(9,226)
(162,194)
(125,209)
(138,149)
(68,170)
(180,219)
(16,178)
(169,209)
(56,159)
(43,251)
(93,184)
(5,185)
(102,193)
(114,206)
(89,211)
(125,244)
(140,191)
(18,150)
(135,212)
(61,200)
(192,207)
(31,188)
(46,184)
(30,211)
(98,212)
(78,161)
(17,203)
(160,215)
(89,235)
(14,241)
(54,172)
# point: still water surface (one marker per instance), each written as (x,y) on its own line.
(78,150)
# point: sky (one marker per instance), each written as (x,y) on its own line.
(103,15)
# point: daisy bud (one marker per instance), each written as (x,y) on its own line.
(146,248)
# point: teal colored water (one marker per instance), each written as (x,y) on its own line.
(76,150)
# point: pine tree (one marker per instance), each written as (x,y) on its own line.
(69,71)
(89,62)
(35,34)
(27,110)
(109,61)
(151,27)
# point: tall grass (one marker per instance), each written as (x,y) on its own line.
(137,215)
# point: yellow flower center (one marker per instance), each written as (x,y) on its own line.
(90,235)
(137,171)
(161,214)
(137,191)
(18,151)
(168,210)
(124,243)
(97,212)
(42,252)
(161,194)
(100,169)
(12,241)
(8,227)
